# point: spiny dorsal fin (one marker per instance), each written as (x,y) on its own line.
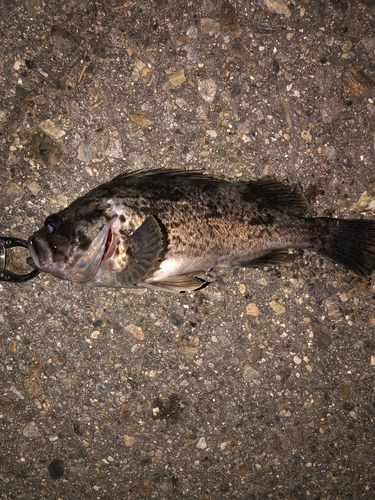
(161,172)
(285,195)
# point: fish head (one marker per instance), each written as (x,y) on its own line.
(73,243)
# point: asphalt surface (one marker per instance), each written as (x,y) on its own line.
(262,385)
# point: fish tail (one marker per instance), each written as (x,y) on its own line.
(349,242)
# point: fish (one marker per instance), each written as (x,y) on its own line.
(162,229)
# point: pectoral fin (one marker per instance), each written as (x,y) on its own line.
(143,249)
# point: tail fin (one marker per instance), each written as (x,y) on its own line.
(350,243)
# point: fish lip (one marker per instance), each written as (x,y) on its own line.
(30,262)
(37,254)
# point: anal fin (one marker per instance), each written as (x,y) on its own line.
(180,283)
(273,258)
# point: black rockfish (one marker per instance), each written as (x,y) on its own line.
(161,228)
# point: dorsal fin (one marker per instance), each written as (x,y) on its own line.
(161,172)
(280,193)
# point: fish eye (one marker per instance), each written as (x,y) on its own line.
(51,225)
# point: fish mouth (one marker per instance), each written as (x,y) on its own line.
(37,254)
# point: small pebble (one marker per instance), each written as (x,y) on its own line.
(252,309)
(50,129)
(12,194)
(139,65)
(365,203)
(278,308)
(12,346)
(369,45)
(34,187)
(135,331)
(207,89)
(129,440)
(94,93)
(202,443)
(357,81)
(192,32)
(177,78)
(347,45)
(330,152)
(56,468)
(140,120)
(187,351)
(210,27)
(343,203)
(85,153)
(181,102)
(243,469)
(31,430)
(176,319)
(114,148)
(279,6)
(224,341)
(202,112)
(212,133)
(80,452)
(250,374)
(306,135)
(33,385)
(245,126)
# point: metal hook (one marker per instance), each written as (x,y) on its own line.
(9,276)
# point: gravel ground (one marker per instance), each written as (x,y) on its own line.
(262,385)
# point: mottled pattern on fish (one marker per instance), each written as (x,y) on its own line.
(161,228)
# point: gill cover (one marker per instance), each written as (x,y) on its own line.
(87,265)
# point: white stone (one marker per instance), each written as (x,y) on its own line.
(202,443)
